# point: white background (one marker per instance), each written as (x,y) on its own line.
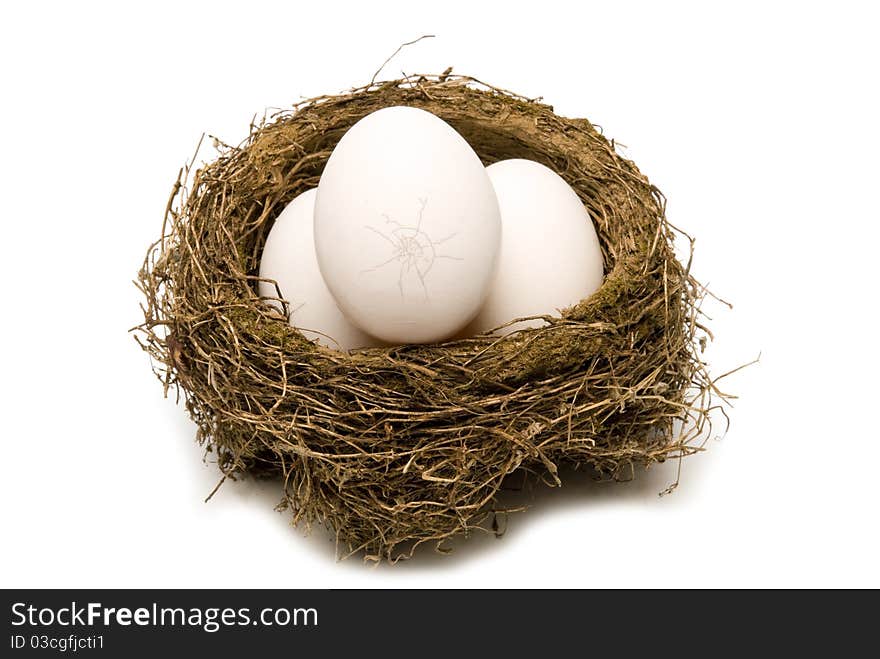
(758,121)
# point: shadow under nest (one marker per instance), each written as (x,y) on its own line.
(393,447)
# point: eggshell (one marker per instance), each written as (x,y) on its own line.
(407,227)
(289,259)
(550,256)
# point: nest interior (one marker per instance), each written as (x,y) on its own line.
(393,447)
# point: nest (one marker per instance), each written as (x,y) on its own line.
(394,447)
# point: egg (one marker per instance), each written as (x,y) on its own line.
(289,259)
(407,227)
(550,256)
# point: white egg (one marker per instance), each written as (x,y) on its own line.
(550,256)
(289,258)
(407,227)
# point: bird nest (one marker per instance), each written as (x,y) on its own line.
(393,447)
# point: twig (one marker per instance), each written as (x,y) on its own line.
(394,54)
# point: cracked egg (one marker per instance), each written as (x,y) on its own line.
(407,227)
